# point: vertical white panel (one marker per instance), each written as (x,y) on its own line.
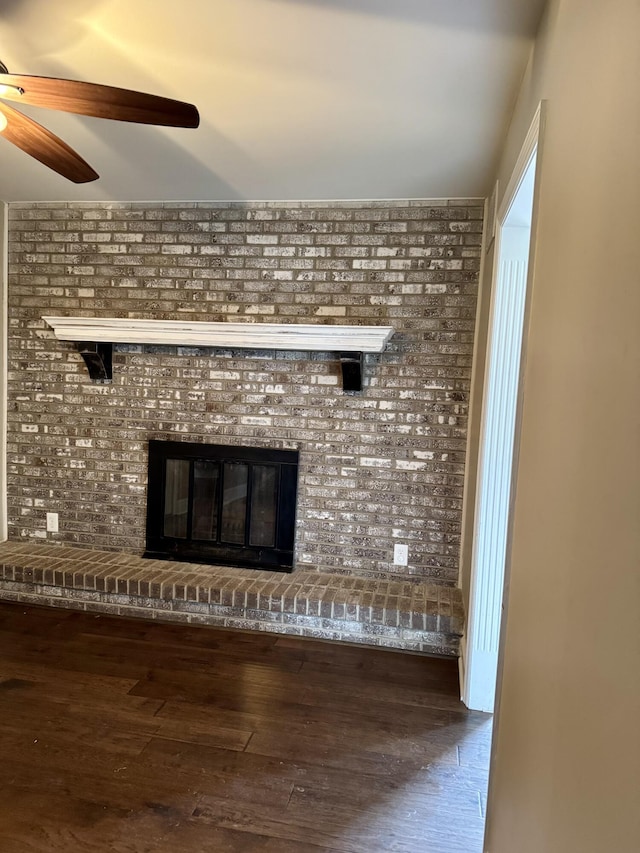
(492,509)
(498,436)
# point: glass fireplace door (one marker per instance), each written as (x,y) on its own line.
(210,503)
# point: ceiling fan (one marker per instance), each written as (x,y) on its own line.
(88,99)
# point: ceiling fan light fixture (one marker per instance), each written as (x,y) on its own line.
(10,90)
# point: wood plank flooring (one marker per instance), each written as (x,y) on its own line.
(136,737)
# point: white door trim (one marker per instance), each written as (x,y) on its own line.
(480,647)
(530,144)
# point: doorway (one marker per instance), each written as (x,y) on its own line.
(502,397)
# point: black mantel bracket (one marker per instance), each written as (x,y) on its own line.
(98,358)
(351,364)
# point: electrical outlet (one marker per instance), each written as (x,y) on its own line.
(52,522)
(401,555)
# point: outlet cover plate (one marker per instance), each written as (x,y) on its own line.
(401,555)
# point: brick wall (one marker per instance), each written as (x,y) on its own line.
(377,468)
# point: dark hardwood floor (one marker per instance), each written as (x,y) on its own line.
(130,736)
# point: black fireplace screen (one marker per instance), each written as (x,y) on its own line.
(211,503)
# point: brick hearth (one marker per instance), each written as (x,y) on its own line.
(414,616)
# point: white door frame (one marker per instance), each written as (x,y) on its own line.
(489,580)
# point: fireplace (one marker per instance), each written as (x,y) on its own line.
(225,505)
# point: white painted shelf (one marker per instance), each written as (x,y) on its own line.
(276,336)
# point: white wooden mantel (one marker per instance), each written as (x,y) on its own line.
(95,336)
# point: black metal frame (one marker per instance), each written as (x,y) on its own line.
(352,369)
(159,546)
(98,357)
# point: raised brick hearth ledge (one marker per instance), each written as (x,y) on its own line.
(418,617)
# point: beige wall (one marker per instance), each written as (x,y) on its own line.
(566,767)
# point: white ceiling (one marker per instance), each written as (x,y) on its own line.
(299,99)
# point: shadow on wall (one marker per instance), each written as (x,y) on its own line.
(131,151)
(470,15)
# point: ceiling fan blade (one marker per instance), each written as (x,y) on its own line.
(45,146)
(93,99)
